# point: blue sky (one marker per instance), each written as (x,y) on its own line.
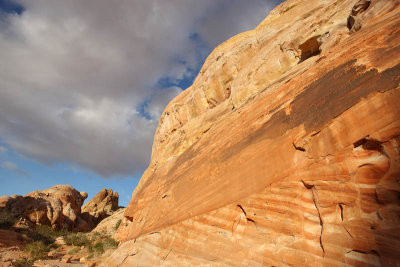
(83,83)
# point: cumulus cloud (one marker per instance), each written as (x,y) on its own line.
(74,73)
(11,166)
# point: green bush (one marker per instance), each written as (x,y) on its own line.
(43,233)
(97,236)
(23,262)
(117,224)
(73,250)
(77,239)
(98,248)
(6,220)
(37,250)
(110,243)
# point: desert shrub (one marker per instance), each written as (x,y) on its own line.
(23,262)
(110,243)
(77,239)
(98,248)
(97,236)
(43,233)
(37,250)
(117,224)
(73,250)
(7,220)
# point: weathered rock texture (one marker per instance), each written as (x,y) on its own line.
(58,206)
(102,205)
(10,247)
(113,225)
(284,151)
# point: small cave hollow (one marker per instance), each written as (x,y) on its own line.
(360,7)
(310,48)
(369,144)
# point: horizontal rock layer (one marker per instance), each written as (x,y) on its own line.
(285,150)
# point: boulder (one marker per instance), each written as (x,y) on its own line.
(102,205)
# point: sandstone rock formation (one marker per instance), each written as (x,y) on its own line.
(102,205)
(284,151)
(113,225)
(58,206)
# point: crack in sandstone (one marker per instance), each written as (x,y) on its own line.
(302,149)
(240,206)
(341,211)
(167,254)
(315,200)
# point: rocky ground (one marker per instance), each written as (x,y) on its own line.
(47,228)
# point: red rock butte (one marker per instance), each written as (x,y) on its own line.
(285,151)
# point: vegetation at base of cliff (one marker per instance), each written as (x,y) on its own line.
(101,244)
(37,250)
(117,224)
(23,262)
(41,240)
(43,233)
(73,250)
(6,220)
(77,239)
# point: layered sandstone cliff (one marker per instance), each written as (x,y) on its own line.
(284,151)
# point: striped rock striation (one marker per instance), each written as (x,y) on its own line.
(284,151)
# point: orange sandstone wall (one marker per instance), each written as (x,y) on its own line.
(284,151)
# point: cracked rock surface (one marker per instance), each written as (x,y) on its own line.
(284,151)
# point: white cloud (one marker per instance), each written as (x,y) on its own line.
(3,149)
(73,73)
(11,166)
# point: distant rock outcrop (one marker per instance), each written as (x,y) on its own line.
(58,206)
(285,151)
(102,205)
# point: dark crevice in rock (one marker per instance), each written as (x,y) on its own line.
(152,233)
(164,196)
(308,186)
(250,220)
(341,211)
(299,148)
(315,200)
(320,220)
(244,212)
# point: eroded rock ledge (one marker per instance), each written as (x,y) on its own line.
(284,151)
